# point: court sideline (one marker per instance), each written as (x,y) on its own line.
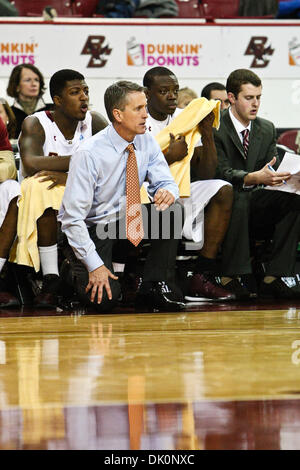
(215,377)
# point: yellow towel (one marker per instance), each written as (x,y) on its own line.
(186,123)
(34,200)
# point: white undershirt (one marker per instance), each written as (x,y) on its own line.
(239,127)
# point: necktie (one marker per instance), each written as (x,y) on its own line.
(245,133)
(134,220)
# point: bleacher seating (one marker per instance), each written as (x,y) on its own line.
(219,8)
(35,7)
(85,8)
(208,9)
(288,139)
(188,8)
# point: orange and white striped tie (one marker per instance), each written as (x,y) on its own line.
(134,220)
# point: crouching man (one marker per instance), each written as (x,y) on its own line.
(112,164)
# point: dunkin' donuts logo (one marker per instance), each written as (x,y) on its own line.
(176,54)
(259,48)
(17,53)
(294,52)
(98,49)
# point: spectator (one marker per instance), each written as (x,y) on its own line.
(26,85)
(7,9)
(137,8)
(8,117)
(117,8)
(216,91)
(244,161)
(156,8)
(185,96)
(258,8)
(289,9)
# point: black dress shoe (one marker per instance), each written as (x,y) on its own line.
(158,296)
(130,285)
(48,297)
(280,288)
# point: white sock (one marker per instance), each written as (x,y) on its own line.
(2,263)
(48,258)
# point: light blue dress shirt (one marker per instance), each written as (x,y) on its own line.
(96,186)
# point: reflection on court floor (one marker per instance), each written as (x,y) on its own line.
(210,379)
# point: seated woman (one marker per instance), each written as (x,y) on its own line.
(26,84)
(10,122)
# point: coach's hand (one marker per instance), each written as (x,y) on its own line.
(163,199)
(98,279)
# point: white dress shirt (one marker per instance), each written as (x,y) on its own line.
(239,127)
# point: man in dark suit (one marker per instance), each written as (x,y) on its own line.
(246,147)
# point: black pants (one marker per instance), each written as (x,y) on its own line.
(162,229)
(262,214)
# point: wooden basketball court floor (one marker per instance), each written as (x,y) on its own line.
(216,376)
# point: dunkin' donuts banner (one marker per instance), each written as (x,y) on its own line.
(122,51)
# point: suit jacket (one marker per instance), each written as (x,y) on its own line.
(232,164)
